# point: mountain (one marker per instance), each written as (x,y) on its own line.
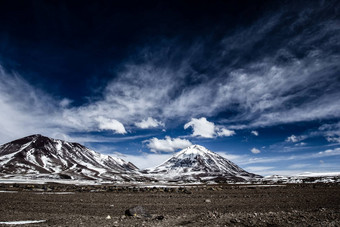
(196,163)
(307,177)
(40,156)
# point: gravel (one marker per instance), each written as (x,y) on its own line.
(230,205)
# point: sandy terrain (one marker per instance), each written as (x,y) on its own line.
(219,205)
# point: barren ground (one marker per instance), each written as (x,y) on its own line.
(219,205)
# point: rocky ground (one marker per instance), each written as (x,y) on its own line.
(218,205)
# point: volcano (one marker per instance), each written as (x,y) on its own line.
(197,163)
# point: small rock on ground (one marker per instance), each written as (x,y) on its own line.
(137,211)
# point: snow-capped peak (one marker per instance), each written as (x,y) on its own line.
(193,150)
(197,162)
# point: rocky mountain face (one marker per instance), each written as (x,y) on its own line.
(40,156)
(196,163)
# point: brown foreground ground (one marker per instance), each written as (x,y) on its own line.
(219,205)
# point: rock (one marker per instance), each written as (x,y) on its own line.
(137,211)
(160,217)
(235,220)
(207,201)
(108,217)
(186,191)
(211,214)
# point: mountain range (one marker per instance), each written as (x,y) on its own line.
(38,156)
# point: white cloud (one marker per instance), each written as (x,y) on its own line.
(221,131)
(292,139)
(255,151)
(295,139)
(149,123)
(255,133)
(201,127)
(168,144)
(111,124)
(206,129)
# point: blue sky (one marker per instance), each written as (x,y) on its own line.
(257,82)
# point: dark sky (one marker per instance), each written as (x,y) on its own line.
(63,43)
(257,81)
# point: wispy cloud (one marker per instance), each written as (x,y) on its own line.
(24,109)
(278,86)
(330,131)
(298,166)
(329,152)
(300,144)
(149,123)
(261,80)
